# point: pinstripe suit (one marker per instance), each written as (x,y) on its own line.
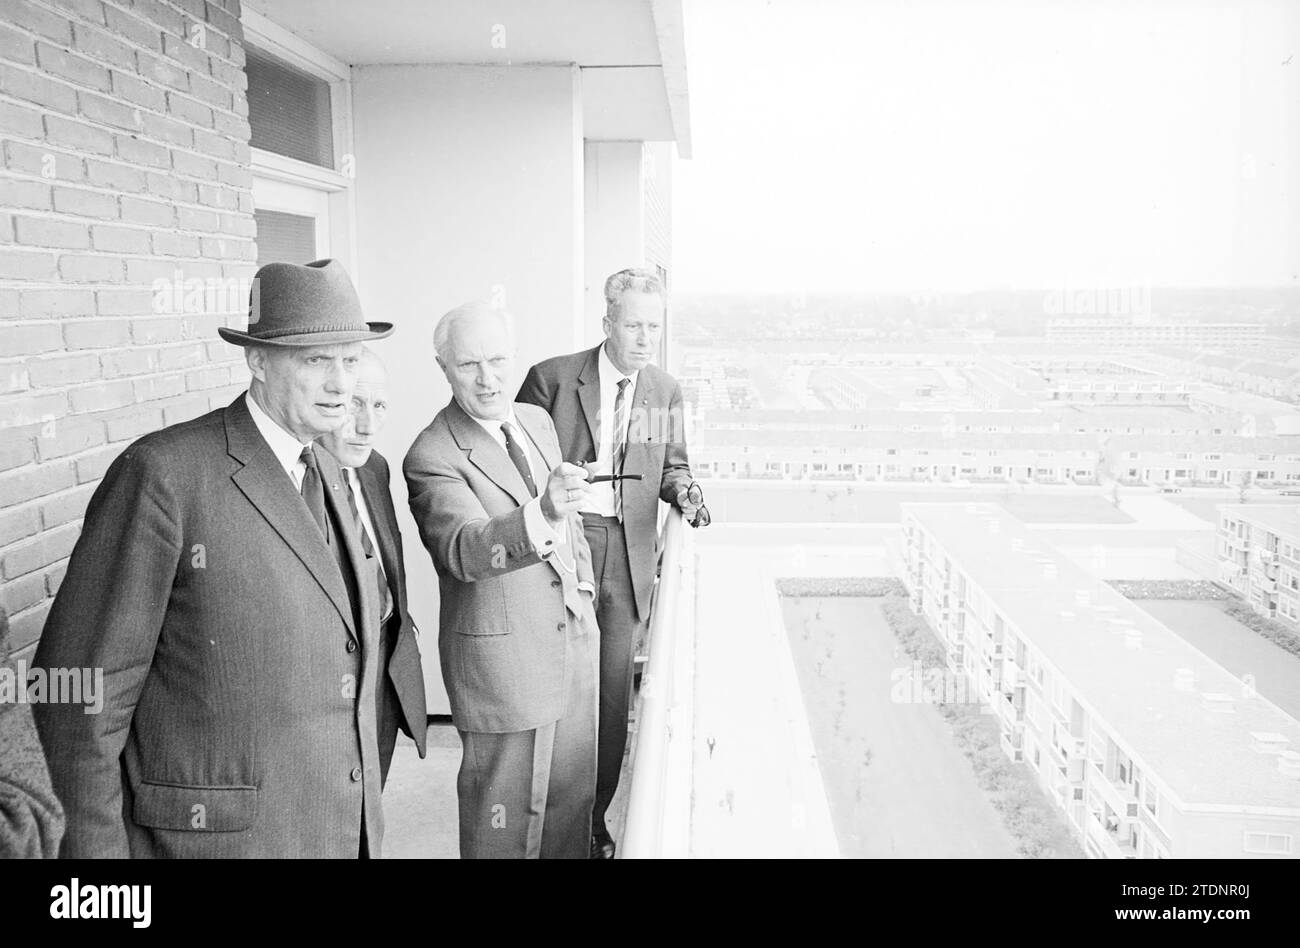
(239,679)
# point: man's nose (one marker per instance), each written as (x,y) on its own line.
(364,421)
(340,378)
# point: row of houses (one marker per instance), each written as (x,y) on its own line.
(1148,747)
(1237,372)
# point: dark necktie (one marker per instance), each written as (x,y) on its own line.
(619,434)
(385,594)
(518,457)
(313,491)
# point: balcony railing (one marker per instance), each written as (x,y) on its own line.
(658,817)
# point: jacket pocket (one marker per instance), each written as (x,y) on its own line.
(196,809)
(484,612)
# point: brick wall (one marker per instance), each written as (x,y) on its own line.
(124,138)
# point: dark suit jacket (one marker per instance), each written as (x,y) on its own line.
(239,715)
(405,675)
(505,611)
(31,820)
(568,387)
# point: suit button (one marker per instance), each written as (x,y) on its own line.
(352,646)
(559,627)
(555,584)
(356,774)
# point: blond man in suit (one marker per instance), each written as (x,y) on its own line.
(497,510)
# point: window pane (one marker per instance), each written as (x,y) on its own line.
(284,238)
(289,110)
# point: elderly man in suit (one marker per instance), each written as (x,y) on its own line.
(611,406)
(400,694)
(31,820)
(219,583)
(496,509)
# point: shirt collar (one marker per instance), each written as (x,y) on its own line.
(609,372)
(286,447)
(493,425)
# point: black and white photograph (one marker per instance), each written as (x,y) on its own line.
(820,430)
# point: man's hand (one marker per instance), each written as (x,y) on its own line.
(688,501)
(566,491)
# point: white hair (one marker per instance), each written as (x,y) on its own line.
(468,312)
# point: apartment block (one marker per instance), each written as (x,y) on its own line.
(1226,460)
(1148,747)
(1137,332)
(1259,556)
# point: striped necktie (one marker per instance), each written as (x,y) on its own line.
(619,436)
(385,594)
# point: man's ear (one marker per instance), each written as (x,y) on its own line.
(255,356)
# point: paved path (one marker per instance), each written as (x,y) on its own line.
(897,784)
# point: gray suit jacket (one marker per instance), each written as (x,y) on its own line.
(239,711)
(504,611)
(568,387)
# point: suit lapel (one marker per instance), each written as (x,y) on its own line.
(485,453)
(378,500)
(268,488)
(589,397)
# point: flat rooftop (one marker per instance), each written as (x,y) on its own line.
(1077,623)
(1282,519)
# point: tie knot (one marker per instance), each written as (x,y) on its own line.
(508,429)
(308,457)
(623,383)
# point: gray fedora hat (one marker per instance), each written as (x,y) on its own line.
(310,304)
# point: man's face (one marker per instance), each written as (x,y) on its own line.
(306,389)
(480,367)
(632,340)
(353,442)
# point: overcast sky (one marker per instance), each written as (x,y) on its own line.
(934,146)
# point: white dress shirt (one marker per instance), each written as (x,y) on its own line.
(601,499)
(287,447)
(544,538)
(354,485)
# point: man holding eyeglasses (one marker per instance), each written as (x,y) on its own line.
(623,416)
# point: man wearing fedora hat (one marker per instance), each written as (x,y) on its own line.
(216,583)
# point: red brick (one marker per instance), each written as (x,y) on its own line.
(120,239)
(186,109)
(234,175)
(17,47)
(135,90)
(85,203)
(152,332)
(232,126)
(39,232)
(97,333)
(44,550)
(162,71)
(19,120)
(158,387)
(70,437)
(33,87)
(218,146)
(100,45)
(16,449)
(185,409)
(140,152)
(62,302)
(227,73)
(22,593)
(27,265)
(87,269)
(118,177)
(18,524)
(193,219)
(180,357)
(161,14)
(102,396)
(35,159)
(66,507)
(91,467)
(218,46)
(180,49)
(92,10)
(36,408)
(25,629)
(175,245)
(78,135)
(171,187)
(30,339)
(21,193)
(70,66)
(168,130)
(127,362)
(39,20)
(196,166)
(110,111)
(222,19)
(137,31)
(210,91)
(63,369)
(202,379)
(31,482)
(127,424)
(151,213)
(124,302)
